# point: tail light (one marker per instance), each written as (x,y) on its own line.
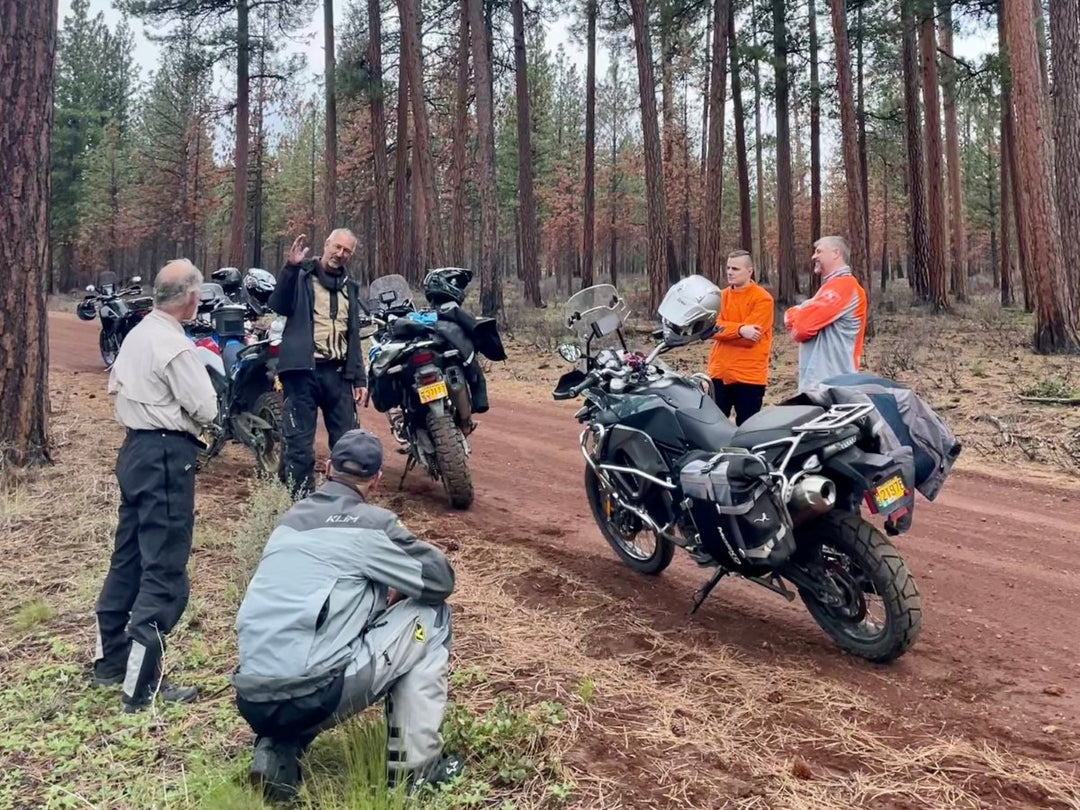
(426,379)
(209,343)
(419,358)
(273,349)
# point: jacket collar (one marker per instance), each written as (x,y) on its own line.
(338,490)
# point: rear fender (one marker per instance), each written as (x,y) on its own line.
(860,473)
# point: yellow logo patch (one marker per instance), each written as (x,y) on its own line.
(418,633)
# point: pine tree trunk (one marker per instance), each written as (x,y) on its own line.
(746,233)
(387,255)
(668,45)
(785,209)
(711,260)
(530,241)
(885,227)
(1055,310)
(238,224)
(28,54)
(428,221)
(490,284)
(1065,34)
(589,237)
(939,296)
(958,243)
(849,126)
(1005,249)
(919,234)
(815,141)
(402,253)
(656,205)
(864,170)
(330,191)
(759,259)
(1023,246)
(613,187)
(460,137)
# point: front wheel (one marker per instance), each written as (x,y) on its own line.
(880,614)
(450,457)
(109,343)
(267,446)
(638,546)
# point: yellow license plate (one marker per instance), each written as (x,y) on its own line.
(889,492)
(430,393)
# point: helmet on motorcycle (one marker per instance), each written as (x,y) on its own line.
(260,284)
(86,310)
(689,310)
(228,277)
(446,284)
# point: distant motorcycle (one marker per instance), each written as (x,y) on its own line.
(119,308)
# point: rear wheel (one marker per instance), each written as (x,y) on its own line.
(638,546)
(109,343)
(450,456)
(267,448)
(880,614)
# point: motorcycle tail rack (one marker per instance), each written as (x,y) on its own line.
(837,416)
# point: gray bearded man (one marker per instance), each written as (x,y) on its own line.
(346,608)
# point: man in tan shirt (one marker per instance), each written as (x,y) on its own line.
(164,398)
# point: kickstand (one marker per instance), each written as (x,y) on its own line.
(706,589)
(409,464)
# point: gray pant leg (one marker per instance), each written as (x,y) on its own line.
(403,657)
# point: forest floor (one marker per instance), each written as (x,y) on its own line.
(576,683)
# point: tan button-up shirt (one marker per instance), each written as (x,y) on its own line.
(331,340)
(159,381)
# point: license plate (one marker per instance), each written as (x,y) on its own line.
(430,393)
(889,492)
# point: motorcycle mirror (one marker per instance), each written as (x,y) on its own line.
(136,279)
(569,352)
(90,288)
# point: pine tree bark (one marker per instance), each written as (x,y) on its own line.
(656,205)
(28,54)
(759,259)
(377,94)
(1055,310)
(864,169)
(1005,256)
(589,237)
(530,240)
(238,223)
(714,173)
(1023,246)
(939,296)
(919,234)
(958,243)
(460,135)
(742,168)
(1065,34)
(785,209)
(849,126)
(428,222)
(490,284)
(815,140)
(330,190)
(403,257)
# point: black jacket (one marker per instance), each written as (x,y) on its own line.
(294,297)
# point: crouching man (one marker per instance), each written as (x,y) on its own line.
(345,608)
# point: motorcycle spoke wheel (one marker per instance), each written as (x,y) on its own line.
(637,546)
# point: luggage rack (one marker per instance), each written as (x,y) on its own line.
(837,416)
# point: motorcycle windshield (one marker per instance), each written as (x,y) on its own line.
(389,291)
(596,311)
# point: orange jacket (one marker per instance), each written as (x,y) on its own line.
(735,359)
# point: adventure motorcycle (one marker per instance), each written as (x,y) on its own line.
(119,309)
(775,501)
(423,375)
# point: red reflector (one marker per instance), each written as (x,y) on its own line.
(273,350)
(419,358)
(429,378)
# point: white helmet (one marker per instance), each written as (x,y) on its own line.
(689,310)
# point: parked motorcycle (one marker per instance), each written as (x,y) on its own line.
(119,308)
(776,500)
(419,375)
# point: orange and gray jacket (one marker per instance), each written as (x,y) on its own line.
(829,329)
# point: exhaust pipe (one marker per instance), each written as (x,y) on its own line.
(811,496)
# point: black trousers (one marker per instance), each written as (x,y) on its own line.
(324,389)
(745,398)
(146,589)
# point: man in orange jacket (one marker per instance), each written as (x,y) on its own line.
(739,360)
(829,327)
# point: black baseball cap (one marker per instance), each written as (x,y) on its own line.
(358,452)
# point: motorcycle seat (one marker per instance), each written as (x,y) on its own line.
(773,423)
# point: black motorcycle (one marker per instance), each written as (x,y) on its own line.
(419,375)
(776,500)
(119,308)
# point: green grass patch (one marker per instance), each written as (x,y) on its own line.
(32,614)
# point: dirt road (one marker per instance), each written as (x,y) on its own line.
(996,561)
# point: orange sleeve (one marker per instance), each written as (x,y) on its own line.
(810,317)
(760,315)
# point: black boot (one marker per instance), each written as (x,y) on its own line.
(144,679)
(275,768)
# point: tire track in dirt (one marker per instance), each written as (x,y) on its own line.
(998,659)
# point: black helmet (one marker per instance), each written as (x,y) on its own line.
(228,277)
(260,284)
(86,310)
(446,284)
